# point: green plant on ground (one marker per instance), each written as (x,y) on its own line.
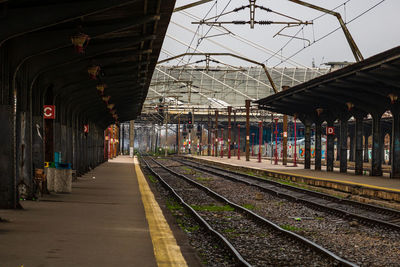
(212,208)
(152,178)
(172,205)
(291,228)
(204,179)
(249,206)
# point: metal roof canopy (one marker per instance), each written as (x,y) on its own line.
(125,41)
(369,86)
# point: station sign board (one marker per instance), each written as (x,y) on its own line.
(330,130)
(49,112)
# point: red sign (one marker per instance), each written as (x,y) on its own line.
(330,130)
(49,112)
(86,128)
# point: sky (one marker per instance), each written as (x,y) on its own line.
(374,32)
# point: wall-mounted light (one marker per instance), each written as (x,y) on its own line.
(93,72)
(101,87)
(319,111)
(80,42)
(106,98)
(110,106)
(350,106)
(393,98)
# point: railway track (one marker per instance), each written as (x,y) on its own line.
(252,239)
(364,213)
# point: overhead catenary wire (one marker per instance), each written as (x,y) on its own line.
(333,31)
(237,53)
(298,32)
(253,44)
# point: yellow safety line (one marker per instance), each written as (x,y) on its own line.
(316,178)
(166,250)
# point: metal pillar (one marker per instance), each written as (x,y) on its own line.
(247,130)
(209,136)
(352,146)
(338,145)
(166,135)
(359,145)
(318,145)
(307,145)
(395,144)
(131,138)
(376,164)
(229,131)
(260,131)
(216,134)
(238,148)
(276,141)
(366,156)
(330,147)
(178,136)
(295,143)
(222,142)
(343,144)
(234,133)
(252,144)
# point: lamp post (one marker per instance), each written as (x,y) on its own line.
(259,140)
(238,149)
(276,141)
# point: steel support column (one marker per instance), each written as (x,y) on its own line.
(330,148)
(376,163)
(395,144)
(131,138)
(209,127)
(234,133)
(229,131)
(366,156)
(352,146)
(343,144)
(216,134)
(318,147)
(307,144)
(247,130)
(338,142)
(359,145)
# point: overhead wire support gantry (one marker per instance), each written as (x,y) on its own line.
(252,6)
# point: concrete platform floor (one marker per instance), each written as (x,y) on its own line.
(383,182)
(101,223)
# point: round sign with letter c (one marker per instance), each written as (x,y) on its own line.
(49,111)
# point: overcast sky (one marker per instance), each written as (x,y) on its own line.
(374,32)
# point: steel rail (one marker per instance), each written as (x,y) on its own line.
(227,244)
(270,224)
(323,207)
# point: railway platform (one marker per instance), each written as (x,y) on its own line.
(381,188)
(111,218)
